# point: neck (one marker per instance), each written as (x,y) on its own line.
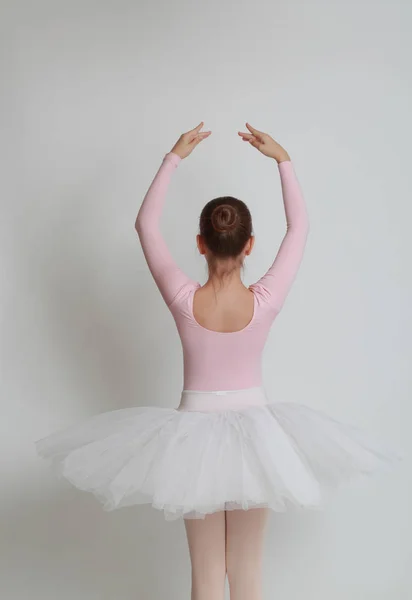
(225,276)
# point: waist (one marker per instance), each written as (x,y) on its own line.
(194,400)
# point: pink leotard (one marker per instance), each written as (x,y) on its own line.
(218,360)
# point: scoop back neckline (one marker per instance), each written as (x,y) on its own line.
(227,333)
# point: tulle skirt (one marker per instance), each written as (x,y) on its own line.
(216,451)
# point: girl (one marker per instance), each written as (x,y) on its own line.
(226,454)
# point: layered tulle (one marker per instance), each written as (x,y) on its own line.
(189,464)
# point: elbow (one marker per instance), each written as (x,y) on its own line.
(304,232)
(139,229)
(303,224)
(144,228)
(139,224)
(145,220)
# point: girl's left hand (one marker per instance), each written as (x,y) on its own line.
(189,140)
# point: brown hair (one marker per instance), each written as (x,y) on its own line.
(225,226)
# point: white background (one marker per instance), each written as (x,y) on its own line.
(94,93)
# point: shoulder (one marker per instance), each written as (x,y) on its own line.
(264,299)
(183,296)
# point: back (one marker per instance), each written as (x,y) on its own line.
(215,360)
(222,360)
(227,310)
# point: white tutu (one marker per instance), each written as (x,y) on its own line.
(216,451)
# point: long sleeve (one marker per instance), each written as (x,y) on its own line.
(168,276)
(276,283)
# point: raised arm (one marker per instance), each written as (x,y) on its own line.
(277,281)
(168,276)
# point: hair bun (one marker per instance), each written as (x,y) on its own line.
(224,218)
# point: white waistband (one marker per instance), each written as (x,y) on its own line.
(222,392)
(200,400)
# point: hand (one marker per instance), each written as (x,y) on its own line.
(265,144)
(189,140)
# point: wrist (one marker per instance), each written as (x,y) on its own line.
(174,156)
(282,157)
(178,150)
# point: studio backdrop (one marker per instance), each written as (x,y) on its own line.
(94,94)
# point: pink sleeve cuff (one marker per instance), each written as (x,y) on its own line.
(173,158)
(285,165)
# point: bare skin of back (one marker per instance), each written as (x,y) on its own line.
(225,307)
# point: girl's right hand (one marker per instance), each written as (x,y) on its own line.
(265,144)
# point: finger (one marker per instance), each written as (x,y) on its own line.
(254,131)
(245,136)
(192,136)
(248,137)
(197,128)
(255,143)
(200,137)
(202,134)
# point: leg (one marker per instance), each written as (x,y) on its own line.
(244,549)
(206,538)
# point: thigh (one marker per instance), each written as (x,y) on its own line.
(245,531)
(207,545)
